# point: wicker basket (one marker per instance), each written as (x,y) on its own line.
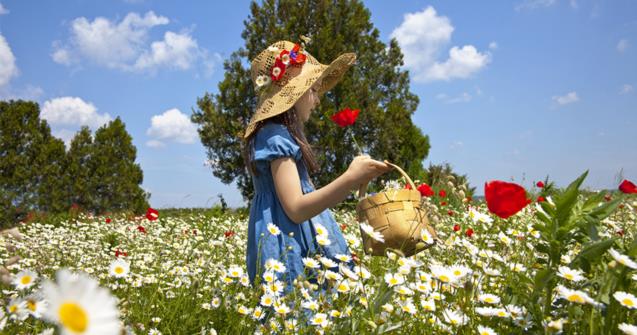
(398,215)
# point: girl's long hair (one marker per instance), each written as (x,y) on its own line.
(296,129)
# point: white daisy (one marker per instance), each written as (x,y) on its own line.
(273,264)
(343,258)
(35,305)
(426,237)
(17,309)
(320,230)
(310,304)
(443,274)
(273,229)
(323,240)
(623,259)
(24,279)
(310,263)
(369,230)
(576,296)
(489,298)
(394,279)
(119,268)
(455,318)
(235,271)
(320,319)
(79,305)
(570,274)
(328,263)
(626,299)
(628,329)
(282,309)
(486,331)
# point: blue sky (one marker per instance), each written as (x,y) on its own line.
(508,90)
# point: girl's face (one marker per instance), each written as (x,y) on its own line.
(307,103)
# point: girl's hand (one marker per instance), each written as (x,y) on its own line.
(363,168)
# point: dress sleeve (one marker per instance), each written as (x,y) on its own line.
(276,145)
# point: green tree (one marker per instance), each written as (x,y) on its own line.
(53,196)
(439,175)
(79,171)
(115,177)
(376,85)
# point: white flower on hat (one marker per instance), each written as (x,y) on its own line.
(262,80)
(285,59)
(276,71)
(273,48)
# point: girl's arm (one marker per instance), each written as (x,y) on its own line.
(300,207)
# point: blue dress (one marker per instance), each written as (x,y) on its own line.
(274,141)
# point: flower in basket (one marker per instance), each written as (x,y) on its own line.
(345,118)
(505,199)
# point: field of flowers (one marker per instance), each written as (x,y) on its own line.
(563,263)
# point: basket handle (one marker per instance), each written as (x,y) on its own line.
(363,187)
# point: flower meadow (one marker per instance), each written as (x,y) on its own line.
(540,261)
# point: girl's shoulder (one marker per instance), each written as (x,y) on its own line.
(270,129)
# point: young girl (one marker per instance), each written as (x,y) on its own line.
(289,219)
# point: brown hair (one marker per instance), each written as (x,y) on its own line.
(295,127)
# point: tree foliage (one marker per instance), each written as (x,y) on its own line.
(37,174)
(376,85)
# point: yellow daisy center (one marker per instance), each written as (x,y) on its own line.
(393,281)
(628,302)
(444,278)
(457,273)
(73,317)
(485,333)
(31,305)
(569,276)
(502,314)
(575,298)
(489,300)
(119,270)
(13,308)
(25,280)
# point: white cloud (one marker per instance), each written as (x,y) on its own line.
(8,69)
(493,45)
(73,111)
(3,10)
(30,92)
(464,97)
(627,88)
(155,144)
(533,4)
(462,63)
(422,37)
(172,125)
(622,45)
(126,45)
(569,98)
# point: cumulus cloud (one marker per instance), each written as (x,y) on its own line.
(422,36)
(171,125)
(8,69)
(126,45)
(569,98)
(533,4)
(627,88)
(73,111)
(3,10)
(29,92)
(622,45)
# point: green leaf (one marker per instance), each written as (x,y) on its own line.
(593,252)
(542,278)
(566,200)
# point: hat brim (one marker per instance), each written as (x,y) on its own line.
(275,102)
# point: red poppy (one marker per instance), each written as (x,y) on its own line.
(620,232)
(469,232)
(278,70)
(108,220)
(141,229)
(152,214)
(407,186)
(228,233)
(343,226)
(539,184)
(194,232)
(345,117)
(443,203)
(505,199)
(607,197)
(469,198)
(450,212)
(442,193)
(540,199)
(425,190)
(456,227)
(628,187)
(120,253)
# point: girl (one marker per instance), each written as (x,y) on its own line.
(289,219)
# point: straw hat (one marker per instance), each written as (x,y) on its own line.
(284,72)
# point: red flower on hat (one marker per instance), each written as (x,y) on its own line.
(278,70)
(152,214)
(628,187)
(345,117)
(505,199)
(539,184)
(425,190)
(297,57)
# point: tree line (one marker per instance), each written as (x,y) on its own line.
(97,173)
